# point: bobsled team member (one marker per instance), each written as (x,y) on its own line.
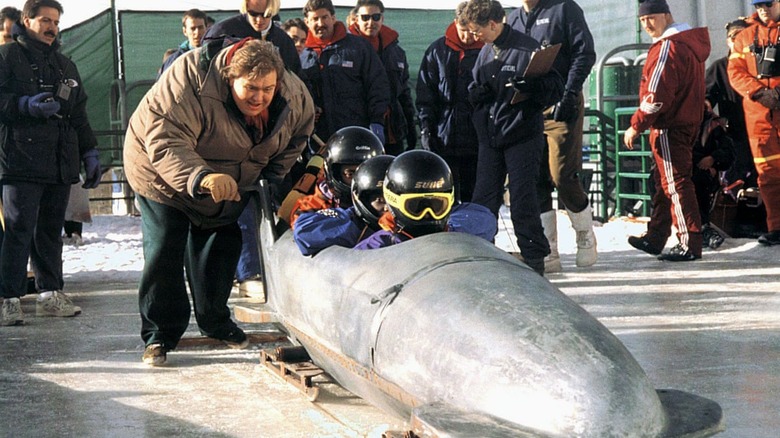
(346,149)
(419,193)
(317,230)
(212,126)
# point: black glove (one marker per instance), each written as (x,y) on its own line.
(411,139)
(479,94)
(769,97)
(567,109)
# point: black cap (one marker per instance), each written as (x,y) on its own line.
(648,7)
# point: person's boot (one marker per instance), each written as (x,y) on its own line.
(552,263)
(582,223)
(769,239)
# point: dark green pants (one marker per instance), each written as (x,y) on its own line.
(171,245)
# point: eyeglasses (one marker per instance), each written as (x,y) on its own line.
(416,205)
(765,5)
(375,17)
(257,15)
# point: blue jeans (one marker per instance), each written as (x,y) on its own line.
(249,264)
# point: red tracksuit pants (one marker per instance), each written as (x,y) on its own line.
(674,202)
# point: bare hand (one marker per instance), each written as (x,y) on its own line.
(629,136)
(706,163)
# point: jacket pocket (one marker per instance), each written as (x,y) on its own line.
(32,156)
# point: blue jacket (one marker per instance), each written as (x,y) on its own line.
(317,230)
(182,49)
(560,21)
(499,122)
(467,217)
(442,95)
(347,80)
(237,26)
(399,125)
(37,150)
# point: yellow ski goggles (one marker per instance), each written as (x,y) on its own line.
(416,205)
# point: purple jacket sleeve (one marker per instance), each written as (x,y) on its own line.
(474,219)
(379,239)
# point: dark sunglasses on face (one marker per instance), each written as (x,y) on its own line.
(766,5)
(375,17)
(254,14)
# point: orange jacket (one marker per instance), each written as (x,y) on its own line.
(314,202)
(761,121)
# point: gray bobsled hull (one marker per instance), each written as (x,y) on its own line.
(455,333)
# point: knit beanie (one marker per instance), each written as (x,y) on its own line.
(647,7)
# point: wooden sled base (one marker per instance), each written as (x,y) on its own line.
(293,364)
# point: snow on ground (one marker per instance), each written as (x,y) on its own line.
(112,244)
(112,250)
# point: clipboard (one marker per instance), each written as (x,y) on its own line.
(540,63)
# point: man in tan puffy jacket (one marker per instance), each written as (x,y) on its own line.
(215,123)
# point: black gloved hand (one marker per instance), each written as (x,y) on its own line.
(567,109)
(480,93)
(769,97)
(411,138)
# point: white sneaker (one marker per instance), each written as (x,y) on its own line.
(12,312)
(55,303)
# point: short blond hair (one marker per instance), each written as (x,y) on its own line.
(255,59)
(271,7)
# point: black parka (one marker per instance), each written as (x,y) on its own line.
(33,149)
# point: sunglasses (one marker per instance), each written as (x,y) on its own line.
(375,17)
(765,5)
(256,15)
(416,205)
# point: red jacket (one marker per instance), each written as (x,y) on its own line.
(671,92)
(742,76)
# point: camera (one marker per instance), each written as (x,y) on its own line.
(766,65)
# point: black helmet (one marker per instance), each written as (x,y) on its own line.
(367,185)
(419,192)
(348,146)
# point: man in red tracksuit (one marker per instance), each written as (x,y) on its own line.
(671,97)
(754,72)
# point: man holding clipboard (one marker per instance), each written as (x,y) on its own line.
(510,126)
(562,23)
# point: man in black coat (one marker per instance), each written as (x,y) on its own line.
(256,21)
(45,137)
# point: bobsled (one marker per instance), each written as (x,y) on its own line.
(461,339)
